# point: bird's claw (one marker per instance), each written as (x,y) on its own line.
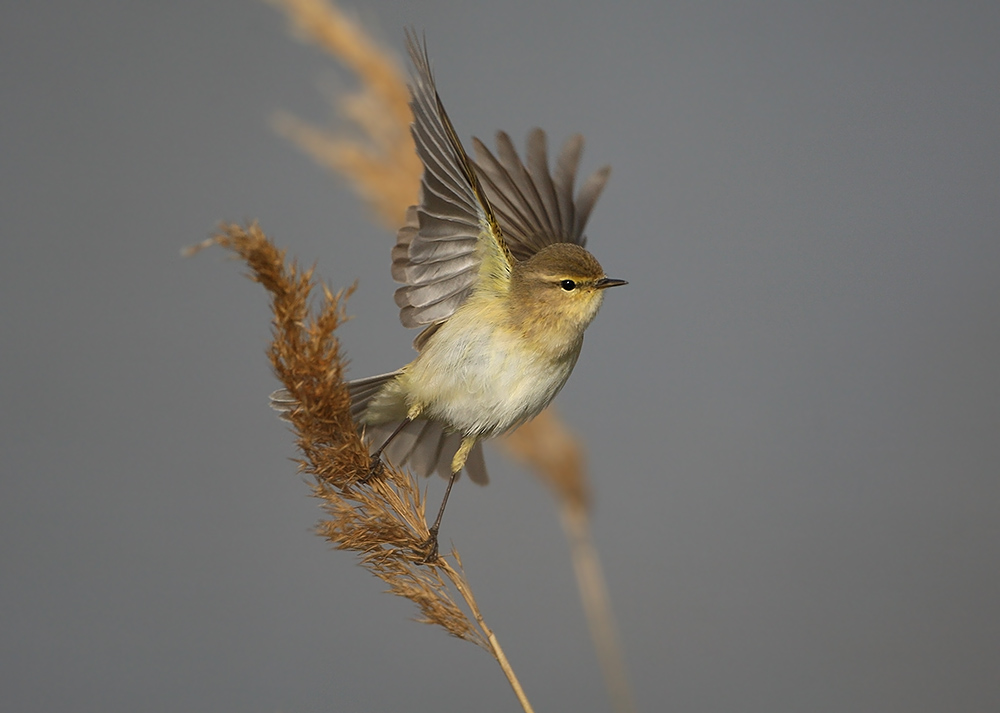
(428,549)
(375,470)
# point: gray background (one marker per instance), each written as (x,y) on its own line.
(792,412)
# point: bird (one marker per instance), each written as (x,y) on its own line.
(494,270)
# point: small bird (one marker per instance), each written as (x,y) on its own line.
(493,267)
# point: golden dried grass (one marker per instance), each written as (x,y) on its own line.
(384,169)
(380,519)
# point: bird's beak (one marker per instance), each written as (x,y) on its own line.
(608,282)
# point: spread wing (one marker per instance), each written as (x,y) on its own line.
(451,238)
(535,207)
(474,219)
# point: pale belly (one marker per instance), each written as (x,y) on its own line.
(484,382)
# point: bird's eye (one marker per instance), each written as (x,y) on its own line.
(568,285)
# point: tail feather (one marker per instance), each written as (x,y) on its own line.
(422,446)
(425,447)
(283,402)
(475,465)
(362,391)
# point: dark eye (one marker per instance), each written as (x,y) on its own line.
(568,285)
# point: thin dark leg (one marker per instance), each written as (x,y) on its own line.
(431,544)
(375,469)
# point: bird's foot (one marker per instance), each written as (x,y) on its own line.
(375,470)
(428,549)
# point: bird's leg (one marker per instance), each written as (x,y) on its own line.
(430,545)
(375,467)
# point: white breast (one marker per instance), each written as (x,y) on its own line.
(484,381)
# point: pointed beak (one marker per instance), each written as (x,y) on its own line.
(608,282)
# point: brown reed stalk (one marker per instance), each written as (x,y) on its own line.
(381,519)
(548,447)
(386,172)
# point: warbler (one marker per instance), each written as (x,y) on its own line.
(494,269)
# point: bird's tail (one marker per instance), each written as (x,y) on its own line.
(422,446)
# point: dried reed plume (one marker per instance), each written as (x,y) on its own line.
(386,171)
(381,519)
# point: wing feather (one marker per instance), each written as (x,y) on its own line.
(587,197)
(537,208)
(566,167)
(440,251)
(514,209)
(538,168)
(432,291)
(474,218)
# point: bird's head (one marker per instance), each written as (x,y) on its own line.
(556,293)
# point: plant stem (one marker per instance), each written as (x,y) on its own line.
(459,581)
(597,606)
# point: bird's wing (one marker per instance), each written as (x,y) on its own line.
(451,240)
(535,207)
